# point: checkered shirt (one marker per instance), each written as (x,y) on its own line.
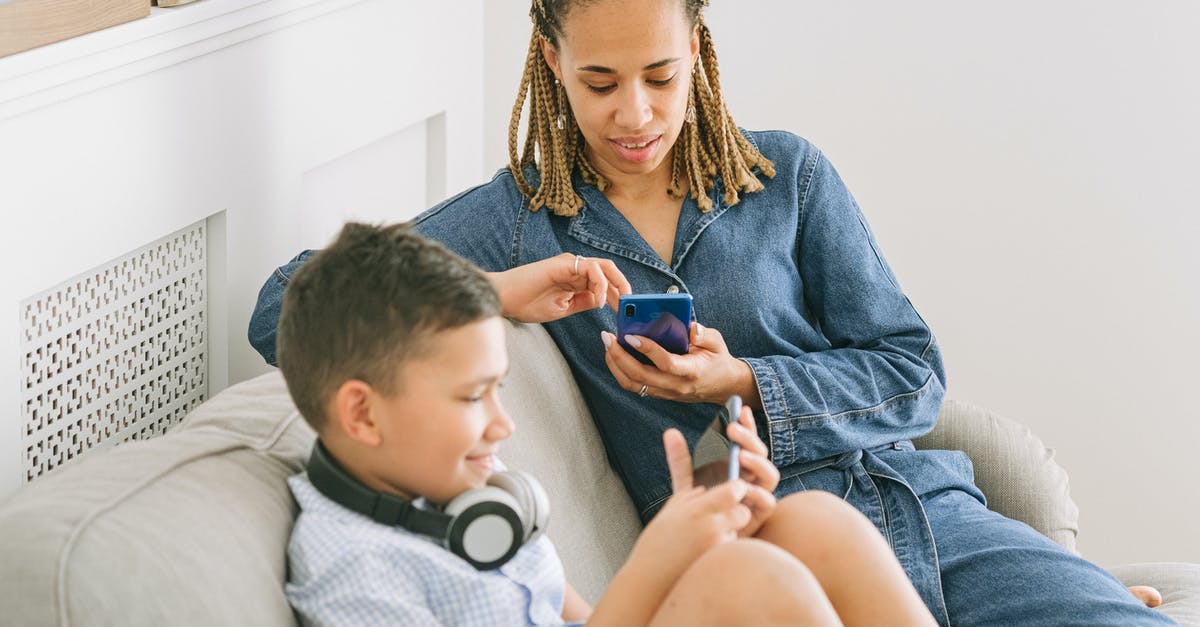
(346,569)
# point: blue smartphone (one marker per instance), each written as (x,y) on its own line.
(664,318)
(715,456)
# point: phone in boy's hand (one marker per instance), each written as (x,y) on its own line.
(715,457)
(664,318)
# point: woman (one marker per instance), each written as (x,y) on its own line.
(633,174)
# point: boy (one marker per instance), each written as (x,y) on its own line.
(393,348)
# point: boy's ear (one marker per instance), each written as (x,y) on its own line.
(352,412)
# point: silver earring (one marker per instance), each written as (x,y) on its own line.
(690,116)
(558,88)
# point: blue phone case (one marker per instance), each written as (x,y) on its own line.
(664,318)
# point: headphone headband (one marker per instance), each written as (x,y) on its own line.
(329,478)
(484,526)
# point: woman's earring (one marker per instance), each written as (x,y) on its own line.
(690,116)
(561,106)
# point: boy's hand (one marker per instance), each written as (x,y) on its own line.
(558,287)
(694,519)
(756,469)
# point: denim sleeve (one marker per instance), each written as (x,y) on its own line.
(480,224)
(265,319)
(882,378)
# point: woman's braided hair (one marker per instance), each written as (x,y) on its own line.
(709,146)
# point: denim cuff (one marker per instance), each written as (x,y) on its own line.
(772,427)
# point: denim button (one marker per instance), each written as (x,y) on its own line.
(674,289)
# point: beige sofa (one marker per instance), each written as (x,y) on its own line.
(191,528)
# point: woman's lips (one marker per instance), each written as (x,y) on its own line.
(636,149)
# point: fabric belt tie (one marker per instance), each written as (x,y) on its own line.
(846,460)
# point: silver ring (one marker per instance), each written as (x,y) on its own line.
(643,392)
(577,258)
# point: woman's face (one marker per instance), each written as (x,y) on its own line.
(626,66)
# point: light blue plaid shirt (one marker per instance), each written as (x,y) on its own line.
(346,569)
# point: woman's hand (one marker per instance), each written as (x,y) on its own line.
(706,374)
(558,287)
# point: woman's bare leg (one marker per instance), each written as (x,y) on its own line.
(746,582)
(849,558)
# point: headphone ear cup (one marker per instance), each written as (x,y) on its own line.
(534,502)
(486,529)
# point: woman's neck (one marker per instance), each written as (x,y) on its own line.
(636,187)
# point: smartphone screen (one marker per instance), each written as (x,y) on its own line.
(715,458)
(664,318)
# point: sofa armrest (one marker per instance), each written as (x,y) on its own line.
(1014,469)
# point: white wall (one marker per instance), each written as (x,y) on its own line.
(1030,170)
(280,117)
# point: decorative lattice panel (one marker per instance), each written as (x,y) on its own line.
(119,353)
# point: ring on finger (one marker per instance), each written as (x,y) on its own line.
(642,393)
(577,258)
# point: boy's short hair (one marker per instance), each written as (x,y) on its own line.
(370,301)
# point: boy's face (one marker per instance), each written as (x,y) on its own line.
(441,430)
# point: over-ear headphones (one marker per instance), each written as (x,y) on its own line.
(485,526)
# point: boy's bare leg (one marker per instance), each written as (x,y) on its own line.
(848,556)
(746,582)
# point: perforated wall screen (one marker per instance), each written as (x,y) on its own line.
(116,354)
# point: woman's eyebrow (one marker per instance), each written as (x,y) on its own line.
(600,69)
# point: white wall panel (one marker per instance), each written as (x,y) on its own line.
(219,110)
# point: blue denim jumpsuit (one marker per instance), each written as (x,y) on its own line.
(847,370)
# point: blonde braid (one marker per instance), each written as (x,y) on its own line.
(515,123)
(727,152)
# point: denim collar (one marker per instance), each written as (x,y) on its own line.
(600,225)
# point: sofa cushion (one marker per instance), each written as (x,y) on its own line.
(593,521)
(1178,582)
(186,529)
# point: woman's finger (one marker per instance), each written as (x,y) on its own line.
(580,301)
(597,280)
(662,359)
(707,338)
(611,352)
(620,361)
(615,279)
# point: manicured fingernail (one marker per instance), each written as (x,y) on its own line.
(607,338)
(633,341)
